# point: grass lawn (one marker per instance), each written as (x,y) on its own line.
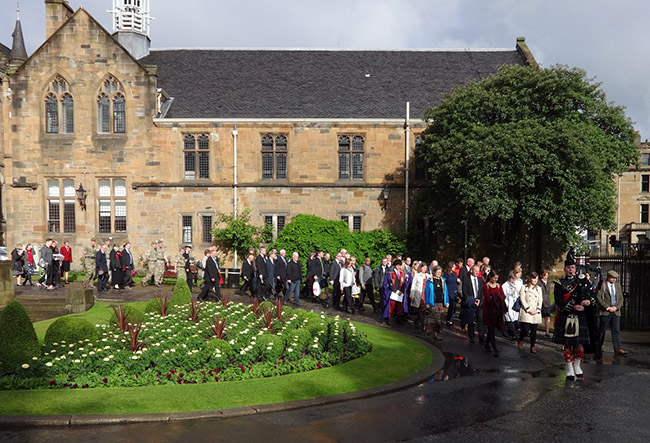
(393,358)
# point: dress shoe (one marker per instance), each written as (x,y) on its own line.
(621,352)
(532,350)
(520,344)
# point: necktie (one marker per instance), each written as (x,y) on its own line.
(612,292)
(475,286)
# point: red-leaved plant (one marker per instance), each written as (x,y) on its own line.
(163,305)
(218,327)
(132,335)
(224,300)
(256,306)
(194,311)
(120,318)
(279,304)
(268,319)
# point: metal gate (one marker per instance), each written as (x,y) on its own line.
(633,267)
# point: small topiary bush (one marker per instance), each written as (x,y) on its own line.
(181,294)
(18,341)
(70,330)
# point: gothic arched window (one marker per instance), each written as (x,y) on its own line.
(111,107)
(59,107)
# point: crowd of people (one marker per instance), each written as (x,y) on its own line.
(424,294)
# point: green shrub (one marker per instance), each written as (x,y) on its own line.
(270,347)
(18,341)
(70,330)
(181,294)
(306,233)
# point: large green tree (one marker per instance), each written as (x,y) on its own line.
(529,155)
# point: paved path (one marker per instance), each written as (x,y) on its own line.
(515,397)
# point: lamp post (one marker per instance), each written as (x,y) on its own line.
(81,196)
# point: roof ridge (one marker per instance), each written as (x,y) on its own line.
(340,49)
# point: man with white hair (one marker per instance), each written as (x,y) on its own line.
(294,274)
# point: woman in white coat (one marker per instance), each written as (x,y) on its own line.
(512,294)
(530,314)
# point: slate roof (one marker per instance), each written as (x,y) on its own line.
(4,50)
(315,83)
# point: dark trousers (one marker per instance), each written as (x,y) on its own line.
(491,339)
(128,280)
(368,292)
(452,309)
(260,288)
(189,277)
(101,281)
(481,326)
(614,322)
(525,327)
(348,301)
(248,284)
(470,331)
(380,292)
(336,295)
(206,288)
(511,329)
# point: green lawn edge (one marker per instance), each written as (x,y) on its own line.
(394,357)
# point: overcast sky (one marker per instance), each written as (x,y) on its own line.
(608,39)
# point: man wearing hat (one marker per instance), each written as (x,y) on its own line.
(610,302)
(89,254)
(573,329)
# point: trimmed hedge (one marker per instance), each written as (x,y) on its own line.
(18,341)
(308,233)
(70,330)
(181,294)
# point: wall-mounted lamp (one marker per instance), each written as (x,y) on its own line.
(385,193)
(81,196)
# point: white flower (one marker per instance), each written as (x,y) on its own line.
(106,359)
(70,352)
(315,346)
(48,364)
(25,366)
(84,355)
(166,351)
(243,352)
(110,356)
(104,339)
(77,361)
(289,349)
(172,350)
(135,357)
(268,348)
(91,353)
(34,358)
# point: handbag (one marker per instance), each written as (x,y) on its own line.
(572,326)
(356,290)
(41,262)
(517,306)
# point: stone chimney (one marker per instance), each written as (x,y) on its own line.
(56,13)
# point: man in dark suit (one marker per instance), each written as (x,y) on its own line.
(262,274)
(315,270)
(248,274)
(270,272)
(211,277)
(465,270)
(281,273)
(187,265)
(379,275)
(127,265)
(335,270)
(101,269)
(473,287)
(610,302)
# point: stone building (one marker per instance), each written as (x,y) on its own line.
(161,141)
(633,207)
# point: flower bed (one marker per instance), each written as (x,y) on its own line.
(254,342)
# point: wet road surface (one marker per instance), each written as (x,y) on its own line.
(475,397)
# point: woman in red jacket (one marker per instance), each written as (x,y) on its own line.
(66,251)
(494,307)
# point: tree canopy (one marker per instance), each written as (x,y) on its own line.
(527,150)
